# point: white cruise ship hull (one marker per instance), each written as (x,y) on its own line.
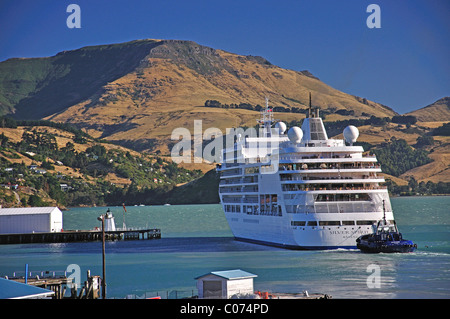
(301,190)
(276,231)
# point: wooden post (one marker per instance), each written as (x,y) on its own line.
(102,219)
(103,259)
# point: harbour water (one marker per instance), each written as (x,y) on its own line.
(196,239)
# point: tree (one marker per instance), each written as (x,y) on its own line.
(3,140)
(413,185)
(97,149)
(398,157)
(36,201)
(404,119)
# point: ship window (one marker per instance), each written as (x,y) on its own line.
(250,210)
(312,223)
(251,170)
(297,223)
(233,208)
(342,197)
(365,222)
(316,130)
(348,222)
(329,223)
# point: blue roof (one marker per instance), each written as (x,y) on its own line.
(10,289)
(231,274)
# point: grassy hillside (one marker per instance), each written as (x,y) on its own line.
(44,165)
(38,87)
(136,93)
(437,111)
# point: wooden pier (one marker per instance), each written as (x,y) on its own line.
(59,283)
(79,236)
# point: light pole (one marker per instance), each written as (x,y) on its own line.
(102,219)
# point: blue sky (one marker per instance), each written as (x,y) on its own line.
(405,64)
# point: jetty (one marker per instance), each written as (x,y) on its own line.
(67,236)
(27,225)
(58,283)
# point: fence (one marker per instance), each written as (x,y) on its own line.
(168,294)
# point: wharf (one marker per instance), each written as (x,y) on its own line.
(79,236)
(59,283)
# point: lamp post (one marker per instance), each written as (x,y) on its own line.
(102,219)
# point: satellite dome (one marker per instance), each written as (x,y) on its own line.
(351,133)
(281,126)
(295,134)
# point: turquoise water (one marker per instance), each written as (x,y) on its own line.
(196,239)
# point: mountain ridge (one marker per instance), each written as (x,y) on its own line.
(435,112)
(116,91)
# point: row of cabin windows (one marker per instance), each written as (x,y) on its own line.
(232,208)
(342,197)
(353,197)
(312,187)
(335,223)
(308,166)
(268,210)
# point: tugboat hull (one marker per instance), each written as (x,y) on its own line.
(372,244)
(390,247)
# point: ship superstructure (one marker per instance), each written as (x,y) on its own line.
(299,189)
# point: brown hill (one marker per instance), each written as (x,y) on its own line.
(136,93)
(436,112)
(169,87)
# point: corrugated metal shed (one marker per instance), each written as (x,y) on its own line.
(27,210)
(231,274)
(30,219)
(225,284)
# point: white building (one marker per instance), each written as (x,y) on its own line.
(30,219)
(225,284)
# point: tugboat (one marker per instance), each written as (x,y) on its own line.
(386,239)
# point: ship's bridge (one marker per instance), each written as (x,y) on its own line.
(313,129)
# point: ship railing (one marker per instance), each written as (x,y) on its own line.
(239,190)
(266,169)
(231,200)
(298,187)
(322,166)
(349,207)
(230,164)
(335,208)
(312,178)
(228,182)
(251,179)
(231,173)
(247,180)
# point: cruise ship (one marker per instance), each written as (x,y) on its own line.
(299,189)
